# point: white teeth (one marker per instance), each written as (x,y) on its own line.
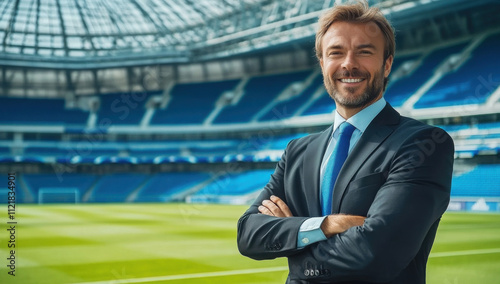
(351,80)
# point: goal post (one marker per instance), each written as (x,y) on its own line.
(58,195)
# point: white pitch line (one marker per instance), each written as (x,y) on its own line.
(464,252)
(263,270)
(191,276)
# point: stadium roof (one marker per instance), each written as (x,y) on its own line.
(89,34)
(99,28)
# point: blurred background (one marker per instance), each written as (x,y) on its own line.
(188,105)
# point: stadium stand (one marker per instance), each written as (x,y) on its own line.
(115,187)
(471,83)
(288,105)
(124,108)
(257,93)
(191,103)
(410,81)
(39,111)
(471,140)
(481,181)
(164,187)
(232,187)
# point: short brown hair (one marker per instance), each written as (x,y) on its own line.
(360,12)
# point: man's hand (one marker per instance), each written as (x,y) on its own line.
(339,223)
(275,207)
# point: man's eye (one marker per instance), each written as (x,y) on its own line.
(365,52)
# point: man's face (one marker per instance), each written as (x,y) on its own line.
(353,64)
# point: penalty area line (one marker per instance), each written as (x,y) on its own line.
(262,270)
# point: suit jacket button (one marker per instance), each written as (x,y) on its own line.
(306,272)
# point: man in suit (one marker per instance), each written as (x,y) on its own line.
(378,223)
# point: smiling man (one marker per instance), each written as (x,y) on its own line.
(354,65)
(361,201)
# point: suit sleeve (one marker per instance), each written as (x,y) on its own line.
(409,204)
(267,237)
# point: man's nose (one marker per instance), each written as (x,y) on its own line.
(350,62)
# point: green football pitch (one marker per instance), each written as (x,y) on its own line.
(187,243)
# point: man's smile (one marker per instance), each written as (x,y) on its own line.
(351,80)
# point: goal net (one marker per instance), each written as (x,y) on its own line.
(58,195)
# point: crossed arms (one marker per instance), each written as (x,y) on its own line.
(331,225)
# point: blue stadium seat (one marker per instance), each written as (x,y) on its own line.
(4,151)
(288,108)
(322,105)
(191,103)
(237,183)
(30,111)
(123,108)
(489,125)
(401,60)
(482,181)
(258,92)
(484,136)
(454,128)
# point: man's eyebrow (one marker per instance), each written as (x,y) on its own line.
(361,46)
(368,45)
(336,46)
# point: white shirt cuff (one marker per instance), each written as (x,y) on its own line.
(310,232)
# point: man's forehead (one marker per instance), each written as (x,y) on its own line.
(362,33)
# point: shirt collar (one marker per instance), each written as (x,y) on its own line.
(362,119)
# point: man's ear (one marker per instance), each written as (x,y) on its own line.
(321,63)
(388,66)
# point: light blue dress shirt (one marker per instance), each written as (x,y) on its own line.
(310,231)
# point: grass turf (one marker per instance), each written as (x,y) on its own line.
(186,243)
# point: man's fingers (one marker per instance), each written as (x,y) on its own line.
(275,207)
(264,210)
(282,205)
(271,206)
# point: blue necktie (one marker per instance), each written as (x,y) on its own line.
(332,169)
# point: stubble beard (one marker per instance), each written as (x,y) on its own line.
(348,98)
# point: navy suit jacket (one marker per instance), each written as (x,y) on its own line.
(398,175)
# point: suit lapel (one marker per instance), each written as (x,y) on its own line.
(378,130)
(312,164)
